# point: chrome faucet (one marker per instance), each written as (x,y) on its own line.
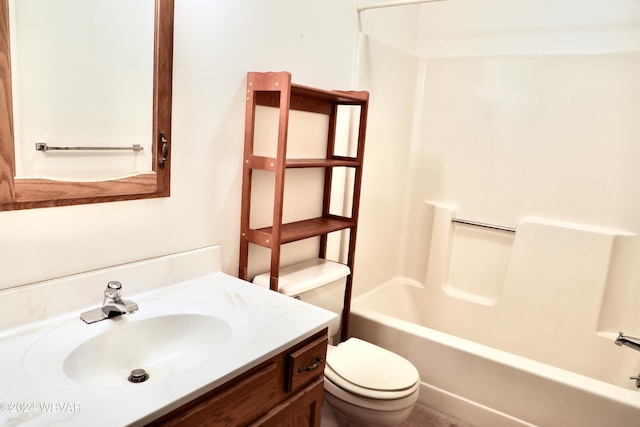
(630,342)
(112,305)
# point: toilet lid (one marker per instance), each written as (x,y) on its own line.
(366,369)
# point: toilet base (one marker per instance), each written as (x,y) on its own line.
(329,417)
(334,411)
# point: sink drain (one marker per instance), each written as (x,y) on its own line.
(138,376)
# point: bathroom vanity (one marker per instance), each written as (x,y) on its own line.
(284,390)
(217,350)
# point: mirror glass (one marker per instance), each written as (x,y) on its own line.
(86,86)
(82,76)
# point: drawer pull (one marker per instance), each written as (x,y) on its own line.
(312,367)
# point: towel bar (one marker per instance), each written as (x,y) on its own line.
(42,146)
(482,224)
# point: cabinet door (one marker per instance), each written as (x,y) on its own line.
(237,404)
(302,409)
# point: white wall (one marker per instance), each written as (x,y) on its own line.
(503,96)
(497,27)
(216,43)
(391,76)
(396,26)
(528,109)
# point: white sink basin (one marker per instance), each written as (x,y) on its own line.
(162,346)
(105,353)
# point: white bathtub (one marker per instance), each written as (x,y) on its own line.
(482,385)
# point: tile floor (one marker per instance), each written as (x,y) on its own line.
(421,416)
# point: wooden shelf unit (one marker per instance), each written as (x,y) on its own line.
(274,89)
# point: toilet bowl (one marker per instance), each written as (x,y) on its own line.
(365,385)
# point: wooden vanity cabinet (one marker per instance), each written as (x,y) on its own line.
(285,390)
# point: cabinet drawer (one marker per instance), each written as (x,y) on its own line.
(306,363)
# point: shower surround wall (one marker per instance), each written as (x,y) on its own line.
(527,120)
(553,137)
(518,109)
(545,144)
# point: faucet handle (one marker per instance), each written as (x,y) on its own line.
(113,289)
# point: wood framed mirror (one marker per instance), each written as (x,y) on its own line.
(24,193)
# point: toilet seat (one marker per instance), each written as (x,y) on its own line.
(369,371)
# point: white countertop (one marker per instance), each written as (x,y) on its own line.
(263,324)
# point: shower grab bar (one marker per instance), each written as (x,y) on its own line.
(482,224)
(42,146)
(363,7)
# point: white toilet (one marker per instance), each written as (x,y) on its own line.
(365,385)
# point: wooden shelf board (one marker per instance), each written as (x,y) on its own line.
(269,163)
(309,103)
(327,163)
(300,230)
(340,97)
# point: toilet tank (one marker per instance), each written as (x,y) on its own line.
(318,282)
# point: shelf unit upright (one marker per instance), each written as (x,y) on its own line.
(274,89)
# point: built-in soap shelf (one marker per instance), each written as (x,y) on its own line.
(474,261)
(478,260)
(569,285)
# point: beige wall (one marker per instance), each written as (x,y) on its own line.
(216,43)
